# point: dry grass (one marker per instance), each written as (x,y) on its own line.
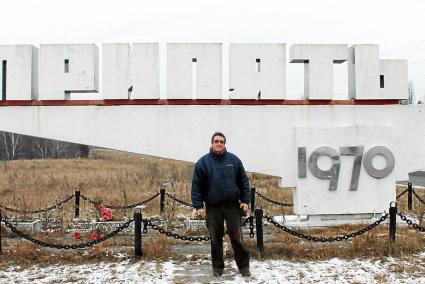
(121,179)
(116,179)
(373,244)
(25,254)
(158,249)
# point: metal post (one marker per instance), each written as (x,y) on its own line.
(138,232)
(393,221)
(162,200)
(1,218)
(4,80)
(252,197)
(77,203)
(409,195)
(259,230)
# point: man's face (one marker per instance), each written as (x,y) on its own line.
(218,144)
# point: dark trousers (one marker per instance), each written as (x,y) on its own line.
(231,213)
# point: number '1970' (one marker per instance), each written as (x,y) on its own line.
(333,172)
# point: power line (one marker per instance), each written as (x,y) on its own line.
(403,47)
(416,61)
(418,76)
(413,52)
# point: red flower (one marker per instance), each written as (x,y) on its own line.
(77,236)
(93,236)
(105,212)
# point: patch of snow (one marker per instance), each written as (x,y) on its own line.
(335,270)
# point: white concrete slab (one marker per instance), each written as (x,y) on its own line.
(257,71)
(58,78)
(131,72)
(363,72)
(21,64)
(318,60)
(187,79)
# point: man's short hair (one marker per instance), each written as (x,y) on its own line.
(218,134)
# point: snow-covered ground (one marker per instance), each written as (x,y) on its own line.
(390,270)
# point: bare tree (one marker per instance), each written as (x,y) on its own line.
(411,91)
(15,145)
(6,148)
(59,149)
(11,145)
(41,147)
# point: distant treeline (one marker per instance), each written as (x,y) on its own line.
(16,146)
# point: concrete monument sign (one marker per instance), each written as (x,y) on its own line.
(341,156)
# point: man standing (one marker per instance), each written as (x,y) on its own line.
(220,182)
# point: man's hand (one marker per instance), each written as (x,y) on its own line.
(200,212)
(244,207)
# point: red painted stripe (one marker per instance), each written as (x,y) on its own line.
(195,102)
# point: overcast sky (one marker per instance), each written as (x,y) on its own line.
(397,26)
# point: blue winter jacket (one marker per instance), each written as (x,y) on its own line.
(218,179)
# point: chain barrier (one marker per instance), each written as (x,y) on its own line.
(124,206)
(145,227)
(175,235)
(250,219)
(401,194)
(418,197)
(273,201)
(246,220)
(251,226)
(411,223)
(73,246)
(41,210)
(326,239)
(173,197)
(88,199)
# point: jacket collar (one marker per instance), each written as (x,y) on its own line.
(218,155)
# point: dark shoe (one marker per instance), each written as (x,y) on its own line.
(245,272)
(217,272)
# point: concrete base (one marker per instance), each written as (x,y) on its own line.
(194,224)
(327,220)
(107,226)
(417,178)
(34,226)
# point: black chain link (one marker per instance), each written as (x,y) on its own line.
(326,239)
(273,201)
(250,220)
(173,197)
(401,194)
(418,197)
(88,199)
(124,206)
(41,210)
(175,235)
(251,227)
(73,246)
(145,227)
(411,223)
